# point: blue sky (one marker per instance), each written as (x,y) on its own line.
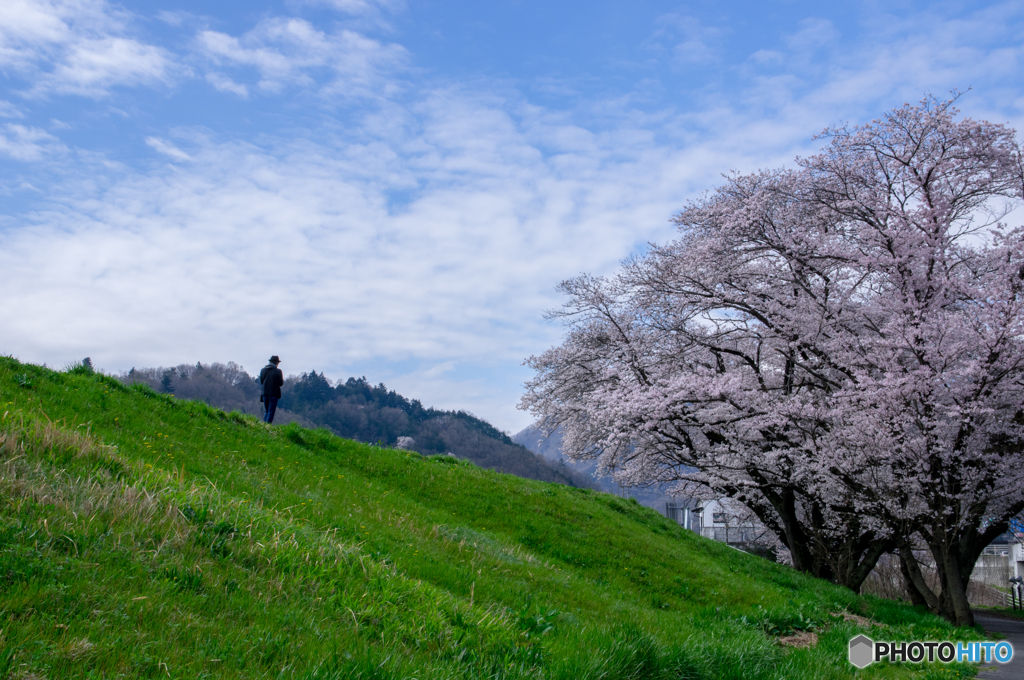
(394,189)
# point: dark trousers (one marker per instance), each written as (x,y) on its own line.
(269,409)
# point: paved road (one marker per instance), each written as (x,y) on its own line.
(1013,631)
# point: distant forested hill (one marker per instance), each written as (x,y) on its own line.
(355,409)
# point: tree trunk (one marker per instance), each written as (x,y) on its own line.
(860,559)
(917,598)
(845,560)
(954,562)
(952,605)
(951,601)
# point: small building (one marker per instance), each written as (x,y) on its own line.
(1000,561)
(687,514)
(717,521)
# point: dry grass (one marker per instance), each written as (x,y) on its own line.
(802,640)
(855,618)
(78,649)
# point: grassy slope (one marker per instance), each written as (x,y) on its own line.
(141,536)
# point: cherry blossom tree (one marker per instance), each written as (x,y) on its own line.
(838,346)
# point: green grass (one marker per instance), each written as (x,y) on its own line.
(146,537)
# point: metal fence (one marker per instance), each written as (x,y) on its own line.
(732,534)
(684,516)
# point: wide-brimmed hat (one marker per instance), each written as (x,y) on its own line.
(275,359)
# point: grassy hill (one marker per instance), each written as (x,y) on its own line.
(146,537)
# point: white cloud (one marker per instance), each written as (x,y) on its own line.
(895,60)
(423,241)
(9,110)
(224,84)
(360,7)
(768,57)
(167,149)
(76,47)
(176,18)
(292,52)
(28,28)
(296,246)
(92,67)
(27,143)
(690,41)
(813,34)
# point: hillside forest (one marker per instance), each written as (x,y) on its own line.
(356,409)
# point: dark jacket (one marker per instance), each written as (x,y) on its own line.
(271,378)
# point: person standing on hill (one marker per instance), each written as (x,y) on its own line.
(271,378)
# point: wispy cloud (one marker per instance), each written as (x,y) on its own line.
(9,110)
(167,149)
(419,239)
(225,84)
(813,34)
(358,7)
(291,52)
(27,143)
(77,47)
(91,67)
(299,245)
(687,38)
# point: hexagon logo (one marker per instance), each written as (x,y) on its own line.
(861,651)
